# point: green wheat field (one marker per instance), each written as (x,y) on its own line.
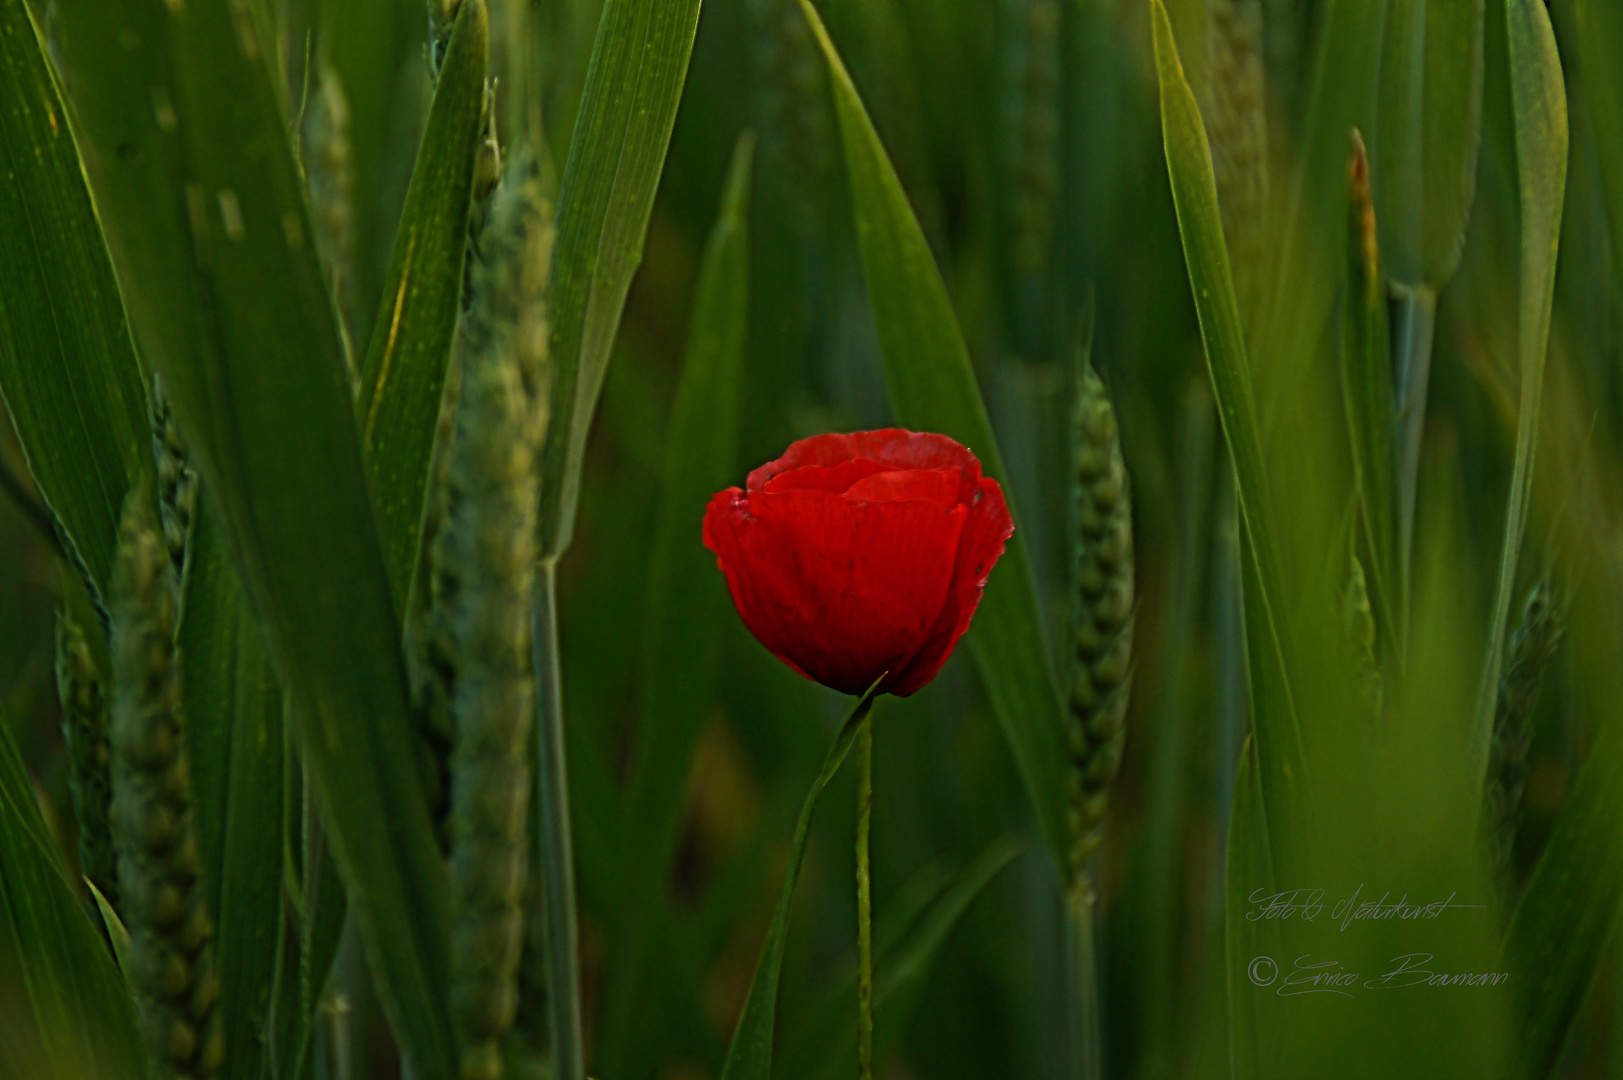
(370,706)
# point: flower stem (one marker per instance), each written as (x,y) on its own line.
(864,900)
(554,847)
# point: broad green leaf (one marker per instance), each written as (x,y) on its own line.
(376,49)
(933,388)
(1194,194)
(410,347)
(685,594)
(1539,101)
(684,590)
(1399,136)
(1343,95)
(750,1055)
(1453,132)
(115,55)
(238,754)
(633,85)
(1426,140)
(249,348)
(68,371)
(906,941)
(1366,380)
(68,1014)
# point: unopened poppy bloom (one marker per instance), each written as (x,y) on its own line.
(856,555)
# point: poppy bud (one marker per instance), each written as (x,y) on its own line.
(856,555)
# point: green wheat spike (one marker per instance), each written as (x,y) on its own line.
(84,727)
(171,961)
(483,565)
(1036,135)
(1536,638)
(1104,617)
(177,481)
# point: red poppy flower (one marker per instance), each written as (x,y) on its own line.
(855,555)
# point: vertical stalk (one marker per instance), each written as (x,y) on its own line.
(864,901)
(553,842)
(1414,319)
(1082,978)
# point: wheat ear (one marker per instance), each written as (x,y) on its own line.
(171,961)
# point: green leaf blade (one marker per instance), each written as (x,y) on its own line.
(1539,100)
(933,388)
(1194,195)
(68,371)
(1453,116)
(238,755)
(684,590)
(403,378)
(616,155)
(69,1013)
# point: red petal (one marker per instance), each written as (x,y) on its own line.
(897,448)
(843,591)
(835,478)
(980,546)
(939,486)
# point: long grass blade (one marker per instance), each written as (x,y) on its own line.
(633,85)
(684,598)
(68,371)
(683,591)
(238,754)
(409,351)
(1452,108)
(932,388)
(1194,194)
(68,1012)
(1540,103)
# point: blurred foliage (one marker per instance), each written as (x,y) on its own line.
(1027,137)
